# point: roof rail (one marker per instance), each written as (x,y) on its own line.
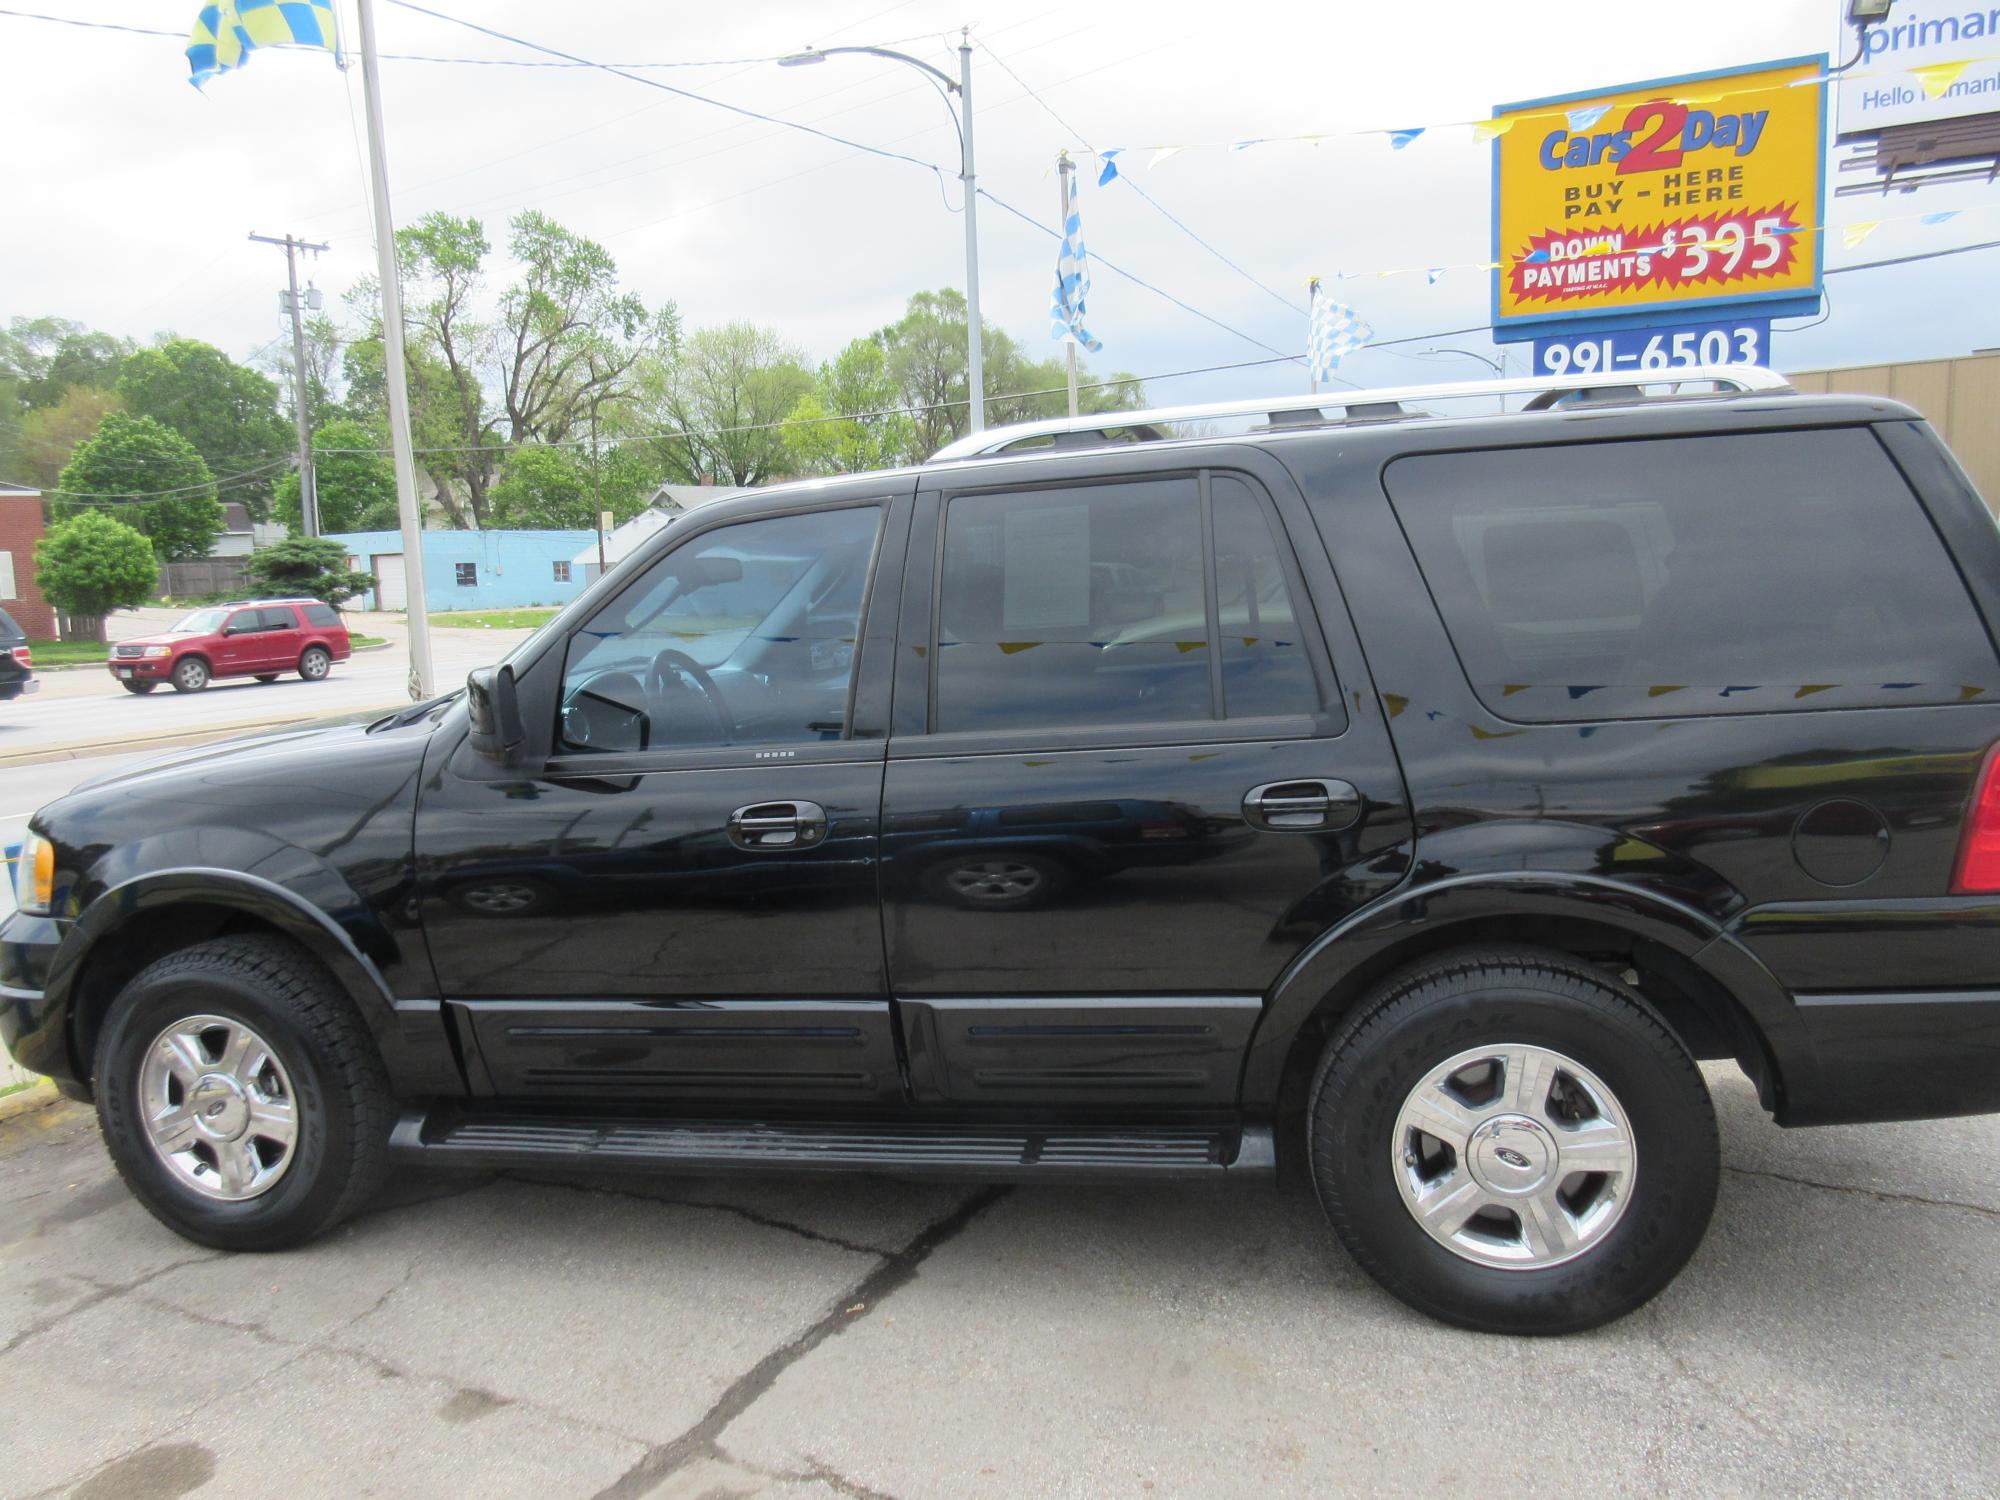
(1376,405)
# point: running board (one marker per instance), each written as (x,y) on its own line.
(908,1150)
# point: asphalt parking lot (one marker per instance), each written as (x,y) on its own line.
(1839,1333)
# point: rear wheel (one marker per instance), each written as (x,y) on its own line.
(132,685)
(240,1095)
(190,674)
(1512,1142)
(314,663)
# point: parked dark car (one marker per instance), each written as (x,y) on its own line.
(17,662)
(1413,799)
(260,638)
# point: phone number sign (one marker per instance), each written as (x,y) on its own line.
(1674,195)
(1733,341)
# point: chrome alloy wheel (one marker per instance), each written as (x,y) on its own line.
(218,1107)
(995,880)
(1514,1156)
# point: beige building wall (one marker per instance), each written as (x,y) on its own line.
(1959,397)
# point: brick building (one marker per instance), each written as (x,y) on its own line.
(20,529)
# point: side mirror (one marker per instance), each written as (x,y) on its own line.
(497,732)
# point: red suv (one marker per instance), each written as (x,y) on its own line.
(261,638)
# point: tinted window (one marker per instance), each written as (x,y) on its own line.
(1690,575)
(1073,606)
(7,625)
(322,615)
(245,622)
(1264,665)
(745,635)
(280,619)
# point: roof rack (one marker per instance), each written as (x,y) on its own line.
(1378,405)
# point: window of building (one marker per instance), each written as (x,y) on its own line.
(467,574)
(744,635)
(7,576)
(561,572)
(1723,574)
(1091,606)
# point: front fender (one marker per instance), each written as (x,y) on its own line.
(1424,917)
(340,931)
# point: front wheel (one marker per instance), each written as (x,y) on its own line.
(1513,1142)
(190,675)
(314,663)
(240,1095)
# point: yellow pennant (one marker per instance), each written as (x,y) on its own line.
(1487,130)
(1937,78)
(1855,233)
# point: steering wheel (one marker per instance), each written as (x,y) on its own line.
(679,661)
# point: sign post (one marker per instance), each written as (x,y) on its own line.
(1688,208)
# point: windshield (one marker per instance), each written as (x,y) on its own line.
(200,622)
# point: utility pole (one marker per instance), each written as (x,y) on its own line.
(423,683)
(308,489)
(1066,170)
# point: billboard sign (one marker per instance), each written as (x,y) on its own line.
(1882,91)
(1652,201)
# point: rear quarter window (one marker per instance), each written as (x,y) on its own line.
(323,615)
(1727,574)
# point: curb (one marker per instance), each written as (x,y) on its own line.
(85,749)
(39,1096)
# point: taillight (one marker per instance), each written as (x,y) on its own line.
(24,656)
(1979,846)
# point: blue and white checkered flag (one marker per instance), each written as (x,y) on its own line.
(1335,331)
(1072,287)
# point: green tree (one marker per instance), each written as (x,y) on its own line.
(847,423)
(47,356)
(309,565)
(462,475)
(543,489)
(92,564)
(925,354)
(50,434)
(150,475)
(725,395)
(355,479)
(229,412)
(568,339)
(443,260)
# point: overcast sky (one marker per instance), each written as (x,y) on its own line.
(132,193)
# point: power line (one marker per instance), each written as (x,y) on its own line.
(1158,206)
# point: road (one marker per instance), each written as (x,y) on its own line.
(810,1339)
(89,705)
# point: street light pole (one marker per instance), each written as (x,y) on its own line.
(975,361)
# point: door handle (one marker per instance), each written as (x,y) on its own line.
(777,825)
(1302,806)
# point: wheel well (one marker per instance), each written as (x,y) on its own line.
(118,957)
(1706,1017)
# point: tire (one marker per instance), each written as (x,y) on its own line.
(314,663)
(132,685)
(997,882)
(322,1061)
(1567,1043)
(190,674)
(267,676)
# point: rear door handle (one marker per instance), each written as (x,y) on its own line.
(777,825)
(1302,806)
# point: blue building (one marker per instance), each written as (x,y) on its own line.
(471,569)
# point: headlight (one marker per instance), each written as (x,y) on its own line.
(159,650)
(35,875)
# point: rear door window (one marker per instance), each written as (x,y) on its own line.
(280,617)
(1118,603)
(1727,574)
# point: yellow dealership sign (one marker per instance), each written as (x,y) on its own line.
(1660,198)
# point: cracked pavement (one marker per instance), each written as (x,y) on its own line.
(698,1338)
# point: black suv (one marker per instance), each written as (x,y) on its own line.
(1411,797)
(17,662)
